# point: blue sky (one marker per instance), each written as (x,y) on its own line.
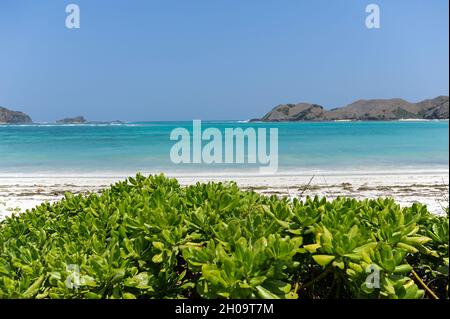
(216,59)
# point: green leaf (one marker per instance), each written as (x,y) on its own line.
(403,269)
(277,286)
(118,275)
(158,245)
(255,281)
(92,295)
(408,248)
(139,281)
(266,294)
(339,264)
(312,248)
(158,258)
(34,288)
(323,260)
(127,295)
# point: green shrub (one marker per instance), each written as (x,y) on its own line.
(151,238)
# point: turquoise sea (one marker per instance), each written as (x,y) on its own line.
(145,146)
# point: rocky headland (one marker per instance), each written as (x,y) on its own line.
(362,110)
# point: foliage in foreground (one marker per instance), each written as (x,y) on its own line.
(151,238)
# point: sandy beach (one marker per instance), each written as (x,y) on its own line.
(19,193)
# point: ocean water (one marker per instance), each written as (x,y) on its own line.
(304,148)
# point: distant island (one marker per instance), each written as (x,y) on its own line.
(81,120)
(72,120)
(362,110)
(13,117)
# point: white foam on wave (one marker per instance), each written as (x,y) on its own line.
(227,173)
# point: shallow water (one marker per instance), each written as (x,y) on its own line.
(145,146)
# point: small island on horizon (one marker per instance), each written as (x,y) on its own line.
(72,120)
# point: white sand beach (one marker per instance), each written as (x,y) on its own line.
(19,193)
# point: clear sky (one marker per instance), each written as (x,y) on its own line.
(216,59)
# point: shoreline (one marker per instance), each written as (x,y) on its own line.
(225,172)
(427,187)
